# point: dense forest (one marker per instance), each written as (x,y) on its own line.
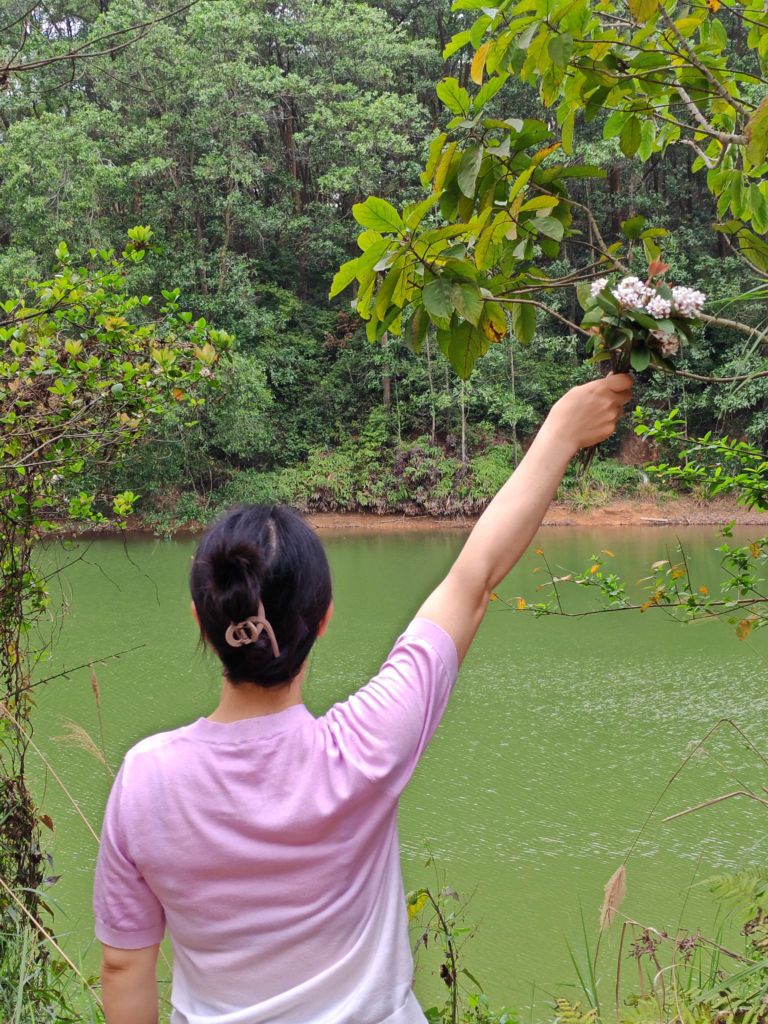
(243,133)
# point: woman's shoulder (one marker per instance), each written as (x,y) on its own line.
(157,747)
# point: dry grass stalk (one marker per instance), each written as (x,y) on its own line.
(95,687)
(6,713)
(615,891)
(77,736)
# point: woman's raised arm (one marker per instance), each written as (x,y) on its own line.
(584,416)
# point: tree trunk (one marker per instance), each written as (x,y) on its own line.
(433,430)
(512,381)
(463,424)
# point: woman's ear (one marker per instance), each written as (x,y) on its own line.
(325,620)
(195,616)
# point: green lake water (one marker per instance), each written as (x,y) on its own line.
(559,739)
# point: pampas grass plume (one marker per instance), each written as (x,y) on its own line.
(615,891)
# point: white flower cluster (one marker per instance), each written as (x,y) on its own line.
(688,301)
(668,344)
(658,307)
(631,291)
(635,294)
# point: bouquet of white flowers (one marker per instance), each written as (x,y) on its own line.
(638,324)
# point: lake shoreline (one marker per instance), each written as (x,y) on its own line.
(619,512)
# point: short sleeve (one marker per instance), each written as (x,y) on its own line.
(384,728)
(128,914)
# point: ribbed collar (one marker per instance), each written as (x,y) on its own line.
(247,728)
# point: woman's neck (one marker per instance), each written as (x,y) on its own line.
(249,700)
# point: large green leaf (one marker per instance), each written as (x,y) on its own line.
(631,136)
(643,10)
(633,227)
(418,329)
(435,150)
(467,301)
(757,133)
(465,348)
(436,297)
(524,322)
(453,96)
(549,226)
(384,297)
(378,214)
(413,215)
(344,276)
(640,358)
(469,168)
(488,91)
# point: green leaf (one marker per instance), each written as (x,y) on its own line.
(549,226)
(435,149)
(372,255)
(651,250)
(453,96)
(647,139)
(414,214)
(757,133)
(582,171)
(559,49)
(566,132)
(378,214)
(465,348)
(418,329)
(488,91)
(384,297)
(455,44)
(640,358)
(344,276)
(437,298)
(467,301)
(643,10)
(631,136)
(614,124)
(469,168)
(584,294)
(633,227)
(644,319)
(524,322)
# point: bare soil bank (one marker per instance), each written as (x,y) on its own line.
(620,512)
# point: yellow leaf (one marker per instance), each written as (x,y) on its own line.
(646,606)
(478,63)
(539,551)
(544,153)
(178,394)
(714,5)
(744,628)
(521,604)
(755,550)
(677,573)
(415,904)
(494,597)
(704,590)
(594,568)
(609,553)
(443,165)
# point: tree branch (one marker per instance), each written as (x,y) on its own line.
(714,82)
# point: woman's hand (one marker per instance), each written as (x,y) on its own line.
(588,414)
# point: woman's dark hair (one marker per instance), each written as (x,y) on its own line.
(261,554)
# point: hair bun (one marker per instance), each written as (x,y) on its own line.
(234,563)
